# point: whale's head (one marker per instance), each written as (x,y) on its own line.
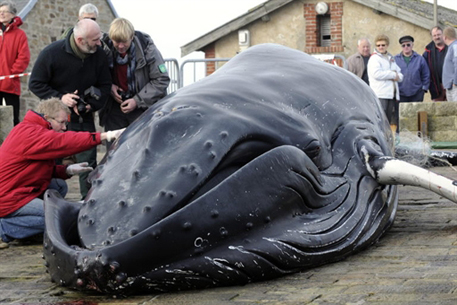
(253,172)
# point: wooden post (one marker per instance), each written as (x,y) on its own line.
(422,125)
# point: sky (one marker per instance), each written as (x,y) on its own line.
(452,4)
(174,23)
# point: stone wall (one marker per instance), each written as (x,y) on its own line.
(44,24)
(6,121)
(285,26)
(441,119)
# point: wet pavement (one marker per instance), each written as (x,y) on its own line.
(415,263)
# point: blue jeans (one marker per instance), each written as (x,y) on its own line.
(28,220)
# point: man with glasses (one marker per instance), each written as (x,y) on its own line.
(28,167)
(14,56)
(416,74)
(87,11)
(67,69)
(434,55)
(384,75)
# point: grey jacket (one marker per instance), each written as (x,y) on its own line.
(450,66)
(151,79)
(151,76)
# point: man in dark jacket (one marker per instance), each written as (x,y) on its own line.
(67,69)
(434,55)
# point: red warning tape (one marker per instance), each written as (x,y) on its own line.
(14,75)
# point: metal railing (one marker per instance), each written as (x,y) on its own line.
(172,65)
(182,76)
(198,73)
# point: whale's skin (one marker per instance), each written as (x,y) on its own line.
(252,173)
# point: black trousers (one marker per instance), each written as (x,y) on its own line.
(390,107)
(89,156)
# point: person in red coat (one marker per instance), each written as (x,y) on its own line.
(28,166)
(14,56)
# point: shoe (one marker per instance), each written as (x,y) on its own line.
(3,245)
(31,240)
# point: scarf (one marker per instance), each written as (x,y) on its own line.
(75,48)
(129,59)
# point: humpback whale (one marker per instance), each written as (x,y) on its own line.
(275,163)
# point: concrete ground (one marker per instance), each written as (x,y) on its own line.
(415,263)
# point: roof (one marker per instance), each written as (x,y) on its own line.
(25,6)
(252,15)
(419,13)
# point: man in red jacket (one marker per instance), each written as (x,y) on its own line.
(14,56)
(27,166)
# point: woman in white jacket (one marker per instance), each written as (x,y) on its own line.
(384,75)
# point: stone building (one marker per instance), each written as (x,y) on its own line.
(318,27)
(44,23)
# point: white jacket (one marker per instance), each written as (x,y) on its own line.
(381,72)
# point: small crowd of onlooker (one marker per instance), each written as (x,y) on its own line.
(118,74)
(407,76)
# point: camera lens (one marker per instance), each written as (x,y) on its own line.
(81,107)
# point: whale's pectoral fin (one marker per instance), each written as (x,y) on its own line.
(62,230)
(388,170)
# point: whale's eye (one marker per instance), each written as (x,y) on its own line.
(313,149)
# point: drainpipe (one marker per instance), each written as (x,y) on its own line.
(435,12)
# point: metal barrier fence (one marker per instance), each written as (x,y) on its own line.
(181,75)
(173,71)
(198,72)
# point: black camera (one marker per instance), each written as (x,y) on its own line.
(125,95)
(89,95)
